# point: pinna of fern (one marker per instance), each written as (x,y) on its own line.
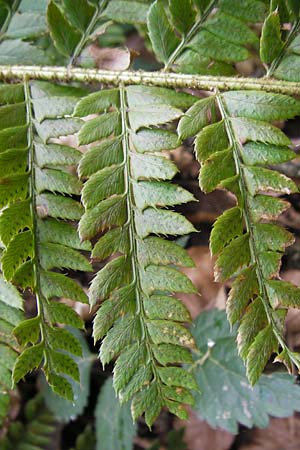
(213,35)
(37,431)
(279,48)
(233,150)
(11,314)
(125,197)
(35,223)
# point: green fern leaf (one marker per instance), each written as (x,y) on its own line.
(35,241)
(258,297)
(271,33)
(127,11)
(35,432)
(72,26)
(162,34)
(11,306)
(210,41)
(125,198)
(183,15)
(280,50)
(21,25)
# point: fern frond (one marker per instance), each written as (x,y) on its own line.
(280,50)
(21,26)
(125,197)
(75,23)
(211,40)
(248,244)
(36,433)
(36,192)
(11,313)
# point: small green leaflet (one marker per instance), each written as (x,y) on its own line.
(210,43)
(127,11)
(271,43)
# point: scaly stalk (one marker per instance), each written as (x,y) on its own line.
(171,80)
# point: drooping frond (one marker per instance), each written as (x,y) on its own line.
(233,153)
(213,35)
(11,314)
(125,197)
(280,49)
(36,186)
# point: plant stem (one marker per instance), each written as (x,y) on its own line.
(32,194)
(188,37)
(140,312)
(172,80)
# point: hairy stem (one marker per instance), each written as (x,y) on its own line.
(172,80)
(255,259)
(189,36)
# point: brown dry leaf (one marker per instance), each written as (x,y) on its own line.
(200,436)
(211,294)
(111,58)
(281,434)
